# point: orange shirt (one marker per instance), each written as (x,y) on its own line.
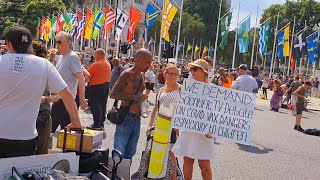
(228,84)
(100,72)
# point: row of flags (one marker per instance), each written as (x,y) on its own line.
(88,24)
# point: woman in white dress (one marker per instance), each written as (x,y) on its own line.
(165,103)
(194,146)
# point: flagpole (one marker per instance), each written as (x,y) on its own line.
(154,44)
(301,59)
(254,39)
(292,37)
(179,28)
(235,39)
(184,44)
(159,57)
(174,44)
(200,49)
(284,65)
(209,48)
(314,63)
(192,50)
(81,35)
(217,36)
(274,45)
(75,37)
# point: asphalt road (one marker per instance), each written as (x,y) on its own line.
(277,151)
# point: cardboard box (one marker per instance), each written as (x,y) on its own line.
(92,140)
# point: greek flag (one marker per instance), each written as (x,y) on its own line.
(264,34)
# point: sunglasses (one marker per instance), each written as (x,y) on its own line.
(194,69)
(59,42)
(172,74)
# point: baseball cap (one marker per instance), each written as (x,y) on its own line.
(20,38)
(200,63)
(242,66)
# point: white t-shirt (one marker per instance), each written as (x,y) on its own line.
(149,74)
(245,83)
(23,79)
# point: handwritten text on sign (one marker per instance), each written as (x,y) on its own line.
(205,108)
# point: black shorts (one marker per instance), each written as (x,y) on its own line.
(299,107)
(149,86)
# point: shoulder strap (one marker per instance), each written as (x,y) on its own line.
(131,102)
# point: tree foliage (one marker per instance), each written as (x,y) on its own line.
(25,13)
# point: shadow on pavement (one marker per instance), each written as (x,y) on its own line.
(254,149)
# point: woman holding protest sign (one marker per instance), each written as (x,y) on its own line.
(165,103)
(192,145)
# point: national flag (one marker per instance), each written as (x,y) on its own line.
(312,44)
(151,15)
(211,52)
(196,49)
(121,21)
(181,46)
(67,23)
(225,25)
(99,18)
(244,36)
(109,19)
(38,29)
(204,52)
(53,28)
(300,46)
(47,29)
(169,11)
(189,47)
(73,24)
(280,44)
(81,21)
(89,24)
(42,28)
(264,34)
(60,23)
(134,19)
(286,48)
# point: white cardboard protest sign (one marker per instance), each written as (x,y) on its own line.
(206,108)
(38,163)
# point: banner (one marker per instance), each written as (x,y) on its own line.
(264,34)
(206,108)
(312,45)
(244,36)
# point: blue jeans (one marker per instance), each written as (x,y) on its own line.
(127,135)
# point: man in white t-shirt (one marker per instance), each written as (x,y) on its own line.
(23,79)
(244,82)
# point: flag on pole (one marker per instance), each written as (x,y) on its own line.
(286,48)
(312,44)
(195,55)
(81,21)
(73,24)
(121,21)
(300,45)
(225,24)
(38,29)
(264,34)
(89,24)
(292,63)
(180,47)
(169,11)
(151,44)
(244,36)
(189,47)
(134,19)
(53,28)
(67,23)
(151,15)
(109,19)
(43,27)
(60,23)
(205,50)
(280,44)
(47,29)
(98,23)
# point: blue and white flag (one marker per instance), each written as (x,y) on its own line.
(81,24)
(312,45)
(73,21)
(264,34)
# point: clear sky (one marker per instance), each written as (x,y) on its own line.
(250,6)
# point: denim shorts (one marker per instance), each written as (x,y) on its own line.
(127,135)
